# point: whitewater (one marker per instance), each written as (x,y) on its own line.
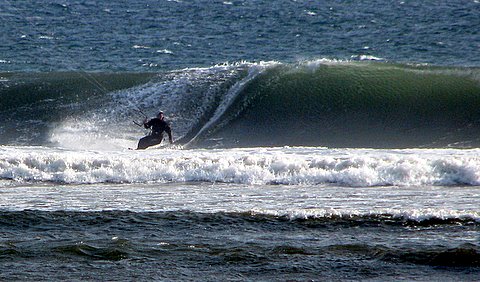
(255,166)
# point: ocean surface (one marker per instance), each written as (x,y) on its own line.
(314,140)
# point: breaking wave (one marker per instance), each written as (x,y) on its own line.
(316,103)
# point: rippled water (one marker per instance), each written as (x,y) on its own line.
(153,35)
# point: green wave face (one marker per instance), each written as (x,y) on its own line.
(31,104)
(356,105)
(333,104)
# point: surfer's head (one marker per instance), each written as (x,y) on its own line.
(160,115)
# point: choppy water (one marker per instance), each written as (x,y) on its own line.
(239,232)
(151,35)
(315,140)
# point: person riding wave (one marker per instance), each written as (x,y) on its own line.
(158,126)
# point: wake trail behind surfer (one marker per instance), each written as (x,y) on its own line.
(158,126)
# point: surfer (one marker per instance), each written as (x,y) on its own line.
(158,125)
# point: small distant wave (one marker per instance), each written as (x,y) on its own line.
(114,252)
(408,217)
(62,219)
(462,256)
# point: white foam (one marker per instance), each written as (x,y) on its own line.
(410,214)
(186,96)
(289,166)
(140,47)
(229,98)
(165,51)
(368,58)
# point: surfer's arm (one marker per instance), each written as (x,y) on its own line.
(146,124)
(168,130)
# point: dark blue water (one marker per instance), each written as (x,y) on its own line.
(153,35)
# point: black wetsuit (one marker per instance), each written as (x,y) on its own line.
(158,127)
